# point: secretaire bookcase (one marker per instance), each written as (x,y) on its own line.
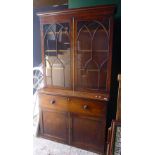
(76,55)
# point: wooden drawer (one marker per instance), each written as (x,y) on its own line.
(88,107)
(53,102)
(72,104)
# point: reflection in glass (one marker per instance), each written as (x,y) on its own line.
(92,54)
(57,54)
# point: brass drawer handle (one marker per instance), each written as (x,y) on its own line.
(85,107)
(52,101)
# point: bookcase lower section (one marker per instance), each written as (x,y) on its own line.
(82,130)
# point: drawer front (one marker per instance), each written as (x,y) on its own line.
(88,107)
(74,105)
(53,102)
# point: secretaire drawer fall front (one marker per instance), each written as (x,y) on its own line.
(73,104)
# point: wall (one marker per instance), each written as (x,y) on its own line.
(47,3)
(84,3)
(87,3)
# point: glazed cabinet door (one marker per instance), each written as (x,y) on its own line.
(54,125)
(56,46)
(88,132)
(93,54)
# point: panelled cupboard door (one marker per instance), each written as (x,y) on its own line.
(57,55)
(92,53)
(88,132)
(54,125)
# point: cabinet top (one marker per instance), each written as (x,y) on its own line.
(70,93)
(104,9)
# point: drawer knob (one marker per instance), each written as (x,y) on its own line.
(85,107)
(52,101)
(105,99)
(99,96)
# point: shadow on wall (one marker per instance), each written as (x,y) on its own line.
(36,31)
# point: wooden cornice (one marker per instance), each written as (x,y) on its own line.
(107,9)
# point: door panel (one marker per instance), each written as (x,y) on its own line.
(92,54)
(57,54)
(88,132)
(55,125)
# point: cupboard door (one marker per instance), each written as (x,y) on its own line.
(92,54)
(88,132)
(57,54)
(54,125)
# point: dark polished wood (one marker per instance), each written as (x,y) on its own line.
(78,94)
(88,132)
(53,102)
(73,104)
(88,107)
(55,125)
(76,54)
(105,10)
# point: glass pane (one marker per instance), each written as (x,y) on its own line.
(57,54)
(92,54)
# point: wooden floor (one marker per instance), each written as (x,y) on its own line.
(45,147)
